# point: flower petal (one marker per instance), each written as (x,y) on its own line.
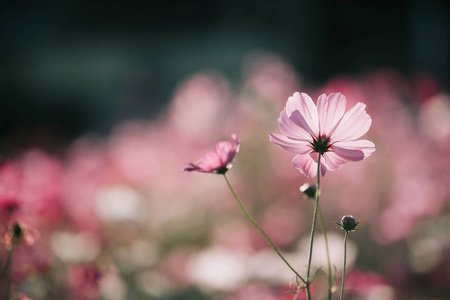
(300,147)
(333,161)
(208,163)
(225,152)
(219,159)
(330,110)
(354,150)
(306,108)
(353,125)
(191,168)
(307,164)
(290,127)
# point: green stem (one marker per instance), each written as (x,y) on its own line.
(260,229)
(324,230)
(7,264)
(313,228)
(6,270)
(345,262)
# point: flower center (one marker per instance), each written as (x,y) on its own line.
(321,144)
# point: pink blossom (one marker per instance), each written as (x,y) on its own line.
(325,130)
(8,208)
(218,161)
(84,281)
(17,232)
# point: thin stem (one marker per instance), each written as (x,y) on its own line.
(313,228)
(345,262)
(6,271)
(8,262)
(324,230)
(260,229)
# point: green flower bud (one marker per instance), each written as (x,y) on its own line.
(348,223)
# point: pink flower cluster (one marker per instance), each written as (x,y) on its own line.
(114,216)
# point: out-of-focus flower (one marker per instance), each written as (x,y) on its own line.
(18,232)
(75,247)
(22,296)
(111,286)
(308,190)
(219,269)
(364,283)
(218,161)
(336,250)
(204,97)
(84,281)
(8,208)
(270,77)
(324,130)
(257,292)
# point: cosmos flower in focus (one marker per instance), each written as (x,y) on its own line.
(325,130)
(218,161)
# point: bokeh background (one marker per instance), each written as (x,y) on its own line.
(102,104)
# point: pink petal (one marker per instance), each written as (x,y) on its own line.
(307,109)
(292,127)
(209,162)
(307,164)
(300,147)
(221,157)
(235,141)
(330,109)
(353,125)
(223,151)
(191,168)
(333,161)
(298,119)
(354,150)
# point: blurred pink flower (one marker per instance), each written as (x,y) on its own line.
(8,209)
(324,130)
(16,233)
(84,281)
(219,160)
(362,283)
(270,77)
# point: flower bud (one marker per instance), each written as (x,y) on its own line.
(348,223)
(16,231)
(308,190)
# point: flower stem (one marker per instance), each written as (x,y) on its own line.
(8,262)
(6,272)
(313,228)
(260,229)
(345,262)
(324,230)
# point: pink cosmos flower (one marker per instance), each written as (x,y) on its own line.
(218,161)
(324,130)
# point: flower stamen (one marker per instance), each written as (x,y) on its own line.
(321,144)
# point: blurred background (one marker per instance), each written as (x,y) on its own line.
(103,104)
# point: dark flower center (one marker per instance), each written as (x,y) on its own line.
(321,144)
(222,170)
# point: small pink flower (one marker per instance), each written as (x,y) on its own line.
(218,161)
(324,130)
